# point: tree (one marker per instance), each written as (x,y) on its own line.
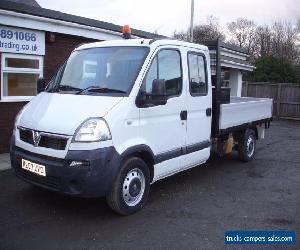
(183,36)
(243,33)
(278,39)
(208,31)
(273,48)
(263,41)
(270,68)
(284,41)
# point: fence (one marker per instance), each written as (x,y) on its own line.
(286,97)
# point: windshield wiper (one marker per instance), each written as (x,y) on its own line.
(99,90)
(68,87)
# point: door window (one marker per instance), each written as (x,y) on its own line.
(197,74)
(166,65)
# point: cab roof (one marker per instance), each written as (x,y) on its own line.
(141,43)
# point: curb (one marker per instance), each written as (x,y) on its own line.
(4,162)
(3,168)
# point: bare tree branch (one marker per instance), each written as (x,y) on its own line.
(203,32)
(243,34)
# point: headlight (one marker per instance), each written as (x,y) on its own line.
(94,129)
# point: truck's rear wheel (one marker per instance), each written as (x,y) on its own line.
(130,189)
(247,146)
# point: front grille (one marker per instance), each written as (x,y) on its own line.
(53,142)
(48,181)
(41,139)
(26,136)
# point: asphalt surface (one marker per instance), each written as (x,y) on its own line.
(190,210)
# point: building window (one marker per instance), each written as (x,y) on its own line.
(19,75)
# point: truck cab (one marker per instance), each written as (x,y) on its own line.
(120,115)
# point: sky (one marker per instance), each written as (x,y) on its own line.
(166,16)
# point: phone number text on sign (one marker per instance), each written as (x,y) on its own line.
(17,40)
(18,35)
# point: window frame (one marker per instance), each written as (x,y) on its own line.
(153,58)
(5,69)
(205,69)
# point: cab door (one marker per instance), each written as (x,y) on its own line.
(199,109)
(161,126)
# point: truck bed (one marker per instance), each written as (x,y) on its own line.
(243,110)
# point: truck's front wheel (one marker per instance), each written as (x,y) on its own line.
(247,146)
(131,187)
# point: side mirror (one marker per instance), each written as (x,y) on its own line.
(157,97)
(40,85)
(159,94)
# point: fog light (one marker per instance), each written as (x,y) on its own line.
(79,163)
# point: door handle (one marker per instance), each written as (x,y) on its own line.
(208,112)
(183,115)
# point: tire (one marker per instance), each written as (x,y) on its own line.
(247,146)
(130,188)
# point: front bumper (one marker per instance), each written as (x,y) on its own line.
(92,180)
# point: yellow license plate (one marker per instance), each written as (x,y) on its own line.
(33,167)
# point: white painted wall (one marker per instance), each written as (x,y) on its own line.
(235,82)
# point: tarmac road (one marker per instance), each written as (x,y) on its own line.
(190,210)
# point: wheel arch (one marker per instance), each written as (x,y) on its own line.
(145,153)
(254,128)
(239,134)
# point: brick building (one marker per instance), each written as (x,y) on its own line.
(33,43)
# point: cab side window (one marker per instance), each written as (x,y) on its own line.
(166,65)
(197,74)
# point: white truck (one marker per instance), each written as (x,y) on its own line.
(121,115)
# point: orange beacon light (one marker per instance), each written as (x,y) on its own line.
(126,32)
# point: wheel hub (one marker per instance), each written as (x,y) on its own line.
(133,187)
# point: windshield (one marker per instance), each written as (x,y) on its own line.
(99,70)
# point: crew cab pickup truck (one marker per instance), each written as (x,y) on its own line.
(121,115)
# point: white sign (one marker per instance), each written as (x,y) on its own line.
(15,40)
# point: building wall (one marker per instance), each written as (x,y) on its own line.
(56,53)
